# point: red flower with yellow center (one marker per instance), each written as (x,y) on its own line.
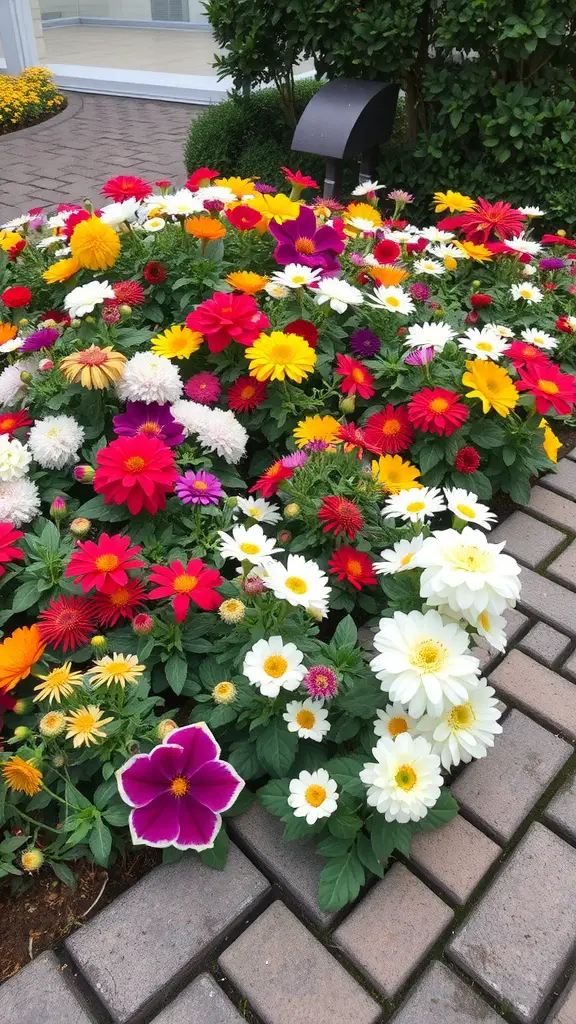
(227,317)
(119,602)
(271,479)
(246,394)
(126,186)
(243,218)
(353,566)
(499,219)
(340,516)
(522,354)
(8,538)
(11,421)
(103,564)
(67,622)
(551,388)
(139,471)
(437,410)
(389,431)
(193,582)
(356,380)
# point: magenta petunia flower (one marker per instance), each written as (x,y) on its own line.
(42,338)
(302,241)
(151,419)
(198,488)
(420,356)
(178,791)
(203,387)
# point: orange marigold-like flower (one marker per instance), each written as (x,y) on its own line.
(388,275)
(22,776)
(61,270)
(95,245)
(18,653)
(246,281)
(205,228)
(7,332)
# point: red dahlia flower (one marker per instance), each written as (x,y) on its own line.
(467,460)
(522,354)
(67,622)
(126,186)
(11,421)
(155,273)
(353,566)
(16,296)
(479,300)
(389,431)
(387,251)
(199,178)
(130,292)
(243,218)
(271,479)
(340,516)
(118,603)
(304,329)
(138,470)
(551,388)
(227,317)
(103,564)
(437,411)
(356,379)
(8,538)
(246,394)
(195,582)
(478,225)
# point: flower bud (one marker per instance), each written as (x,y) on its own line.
(315,614)
(99,642)
(348,403)
(143,624)
(224,693)
(59,760)
(49,322)
(450,263)
(25,376)
(561,233)
(165,727)
(476,283)
(80,527)
(45,365)
(124,309)
(253,585)
(22,732)
(232,611)
(32,860)
(231,502)
(84,474)
(284,536)
(292,510)
(52,724)
(58,509)
(76,323)
(21,706)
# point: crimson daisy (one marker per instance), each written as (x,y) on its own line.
(297,178)
(305,330)
(478,224)
(246,394)
(353,566)
(227,317)
(340,516)
(155,273)
(551,388)
(243,218)
(387,251)
(126,186)
(467,460)
(389,431)
(120,602)
(352,436)
(193,582)
(103,564)
(138,470)
(271,479)
(11,421)
(437,410)
(8,538)
(522,354)
(356,379)
(67,622)
(130,292)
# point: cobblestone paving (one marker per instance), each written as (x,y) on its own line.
(478,926)
(69,158)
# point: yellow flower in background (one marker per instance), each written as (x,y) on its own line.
(118,668)
(60,682)
(491,384)
(363,211)
(393,474)
(239,186)
(95,245)
(274,207)
(551,444)
(277,355)
(474,252)
(455,202)
(246,281)
(176,342)
(22,776)
(85,725)
(61,270)
(8,239)
(94,367)
(317,428)
(450,263)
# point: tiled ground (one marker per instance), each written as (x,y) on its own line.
(478,926)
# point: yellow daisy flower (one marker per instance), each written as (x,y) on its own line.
(551,444)
(455,202)
(176,342)
(393,474)
(8,239)
(316,428)
(118,668)
(491,384)
(277,355)
(246,281)
(61,270)
(60,682)
(22,776)
(95,245)
(363,211)
(274,207)
(475,252)
(239,186)
(85,725)
(94,368)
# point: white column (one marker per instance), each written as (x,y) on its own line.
(17,34)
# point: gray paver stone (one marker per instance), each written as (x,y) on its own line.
(515,623)
(563,481)
(294,865)
(202,1002)
(563,568)
(140,944)
(287,976)
(544,643)
(553,507)
(562,810)
(499,790)
(393,928)
(570,666)
(518,939)
(548,600)
(527,539)
(42,992)
(564,1010)
(440,997)
(455,857)
(537,689)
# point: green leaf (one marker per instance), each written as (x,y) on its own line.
(106,792)
(332,846)
(274,797)
(117,815)
(176,672)
(346,774)
(363,699)
(382,836)
(242,803)
(367,855)
(346,634)
(340,881)
(63,872)
(445,808)
(170,855)
(100,842)
(244,759)
(218,855)
(487,434)
(25,596)
(429,457)
(96,509)
(276,747)
(74,797)
(344,824)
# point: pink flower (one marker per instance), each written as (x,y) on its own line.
(203,387)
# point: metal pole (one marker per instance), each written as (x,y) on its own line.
(17,35)
(332,178)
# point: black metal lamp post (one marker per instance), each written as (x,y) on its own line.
(346,118)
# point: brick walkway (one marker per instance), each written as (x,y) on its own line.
(69,158)
(479,926)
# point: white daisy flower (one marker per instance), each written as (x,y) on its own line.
(19,501)
(392,298)
(532,211)
(258,508)
(17,222)
(466,730)
(295,275)
(399,558)
(432,267)
(361,224)
(465,505)
(154,224)
(407,234)
(180,203)
(313,795)
(15,458)
(429,335)
(219,431)
(492,628)
(221,193)
(276,291)
(148,378)
(45,243)
(445,250)
(423,661)
(300,582)
(521,244)
(54,441)
(338,293)
(394,721)
(483,343)
(83,299)
(528,292)
(365,187)
(60,253)
(503,332)
(307,718)
(528,270)
(11,345)
(414,504)
(124,212)
(434,234)
(405,780)
(540,339)
(272,665)
(247,544)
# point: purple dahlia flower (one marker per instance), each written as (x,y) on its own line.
(365,343)
(552,263)
(302,241)
(199,488)
(153,419)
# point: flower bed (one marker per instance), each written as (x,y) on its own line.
(236,427)
(28,98)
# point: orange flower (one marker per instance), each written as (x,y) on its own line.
(61,270)
(388,275)
(22,776)
(246,281)
(18,653)
(205,228)
(7,332)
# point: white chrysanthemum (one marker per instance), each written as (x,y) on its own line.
(361,224)
(492,628)
(19,502)
(221,193)
(399,558)
(429,335)
(247,544)
(521,244)
(55,440)
(189,415)
(465,505)
(272,665)
(313,795)
(276,291)
(423,661)
(408,234)
(11,345)
(483,343)
(307,718)
(295,275)
(338,293)
(466,572)
(394,721)
(15,458)
(431,267)
(392,298)
(500,330)
(300,582)
(414,504)
(434,234)
(149,378)
(258,508)
(528,292)
(219,431)
(83,299)
(124,212)
(466,730)
(540,339)
(12,387)
(181,203)
(531,211)
(365,187)
(405,780)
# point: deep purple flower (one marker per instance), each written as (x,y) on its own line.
(317,446)
(301,241)
(42,338)
(154,420)
(356,258)
(203,387)
(420,356)
(213,205)
(198,488)
(178,791)
(294,460)
(365,343)
(321,681)
(259,186)
(419,291)
(552,263)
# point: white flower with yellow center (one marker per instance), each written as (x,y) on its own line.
(118,668)
(465,506)
(423,661)
(429,335)
(483,343)
(295,275)
(307,718)
(528,292)
(154,224)
(276,291)
(247,544)
(258,508)
(540,339)
(434,234)
(180,203)
(491,627)
(467,573)
(362,225)
(466,730)
(394,721)
(300,582)
(365,187)
(338,294)
(405,780)
(124,212)
(528,270)
(392,298)
(313,795)
(432,267)
(414,505)
(521,244)
(445,250)
(531,211)
(400,558)
(272,665)
(11,345)
(503,332)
